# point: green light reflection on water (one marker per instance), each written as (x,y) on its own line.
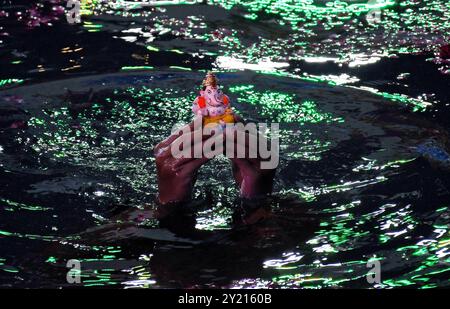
(10,82)
(282,107)
(132,119)
(14,206)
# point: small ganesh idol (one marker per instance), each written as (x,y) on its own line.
(212,104)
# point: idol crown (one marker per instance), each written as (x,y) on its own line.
(210,80)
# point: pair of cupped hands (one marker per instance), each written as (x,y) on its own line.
(177,174)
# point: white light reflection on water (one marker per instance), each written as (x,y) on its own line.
(268,65)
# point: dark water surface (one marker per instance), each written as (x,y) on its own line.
(363,110)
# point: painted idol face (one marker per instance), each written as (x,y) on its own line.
(213,96)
